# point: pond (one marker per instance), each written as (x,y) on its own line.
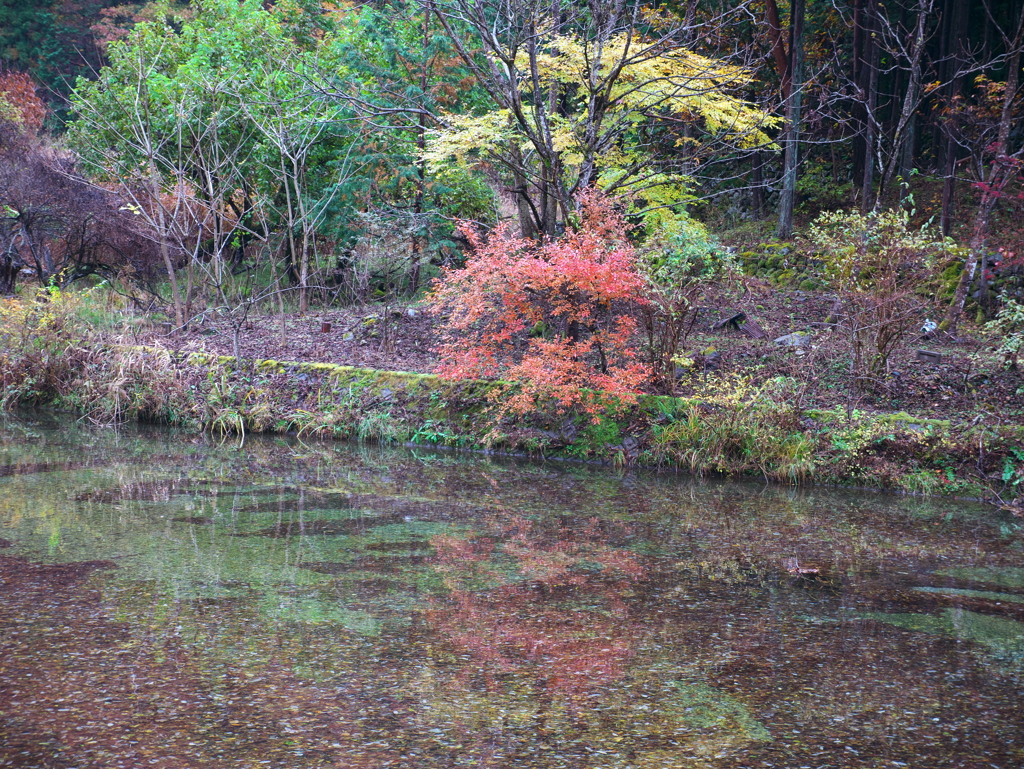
(172,601)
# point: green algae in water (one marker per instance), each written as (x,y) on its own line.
(315,611)
(988,595)
(1007,576)
(703,707)
(1003,636)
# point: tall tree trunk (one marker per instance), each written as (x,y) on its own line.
(870,75)
(857,75)
(911,95)
(791,159)
(779,53)
(954,59)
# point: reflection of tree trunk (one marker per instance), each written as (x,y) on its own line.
(796,61)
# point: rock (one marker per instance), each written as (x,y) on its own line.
(793,340)
(569,430)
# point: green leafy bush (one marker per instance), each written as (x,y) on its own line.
(1010,323)
(679,262)
(880,267)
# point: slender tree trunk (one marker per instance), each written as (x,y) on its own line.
(791,159)
(948,186)
(979,232)
(165,252)
(415,245)
(757,182)
(528,220)
(279,291)
(292,251)
(306,237)
(856,72)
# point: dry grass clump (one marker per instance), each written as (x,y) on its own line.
(49,355)
(737,427)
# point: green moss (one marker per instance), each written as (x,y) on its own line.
(1003,636)
(985,595)
(904,417)
(270,366)
(1006,576)
(784,277)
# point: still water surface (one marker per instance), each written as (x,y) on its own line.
(169,602)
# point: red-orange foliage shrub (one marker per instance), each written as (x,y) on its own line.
(552,317)
(19,91)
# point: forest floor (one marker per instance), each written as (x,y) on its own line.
(967,383)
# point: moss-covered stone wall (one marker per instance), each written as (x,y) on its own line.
(739,433)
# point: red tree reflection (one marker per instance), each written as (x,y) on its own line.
(537,605)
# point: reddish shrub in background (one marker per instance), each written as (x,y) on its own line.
(552,317)
(19,91)
(53,221)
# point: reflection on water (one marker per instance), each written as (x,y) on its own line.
(171,602)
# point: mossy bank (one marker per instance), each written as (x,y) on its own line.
(734,429)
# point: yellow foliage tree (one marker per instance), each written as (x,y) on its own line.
(604,94)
